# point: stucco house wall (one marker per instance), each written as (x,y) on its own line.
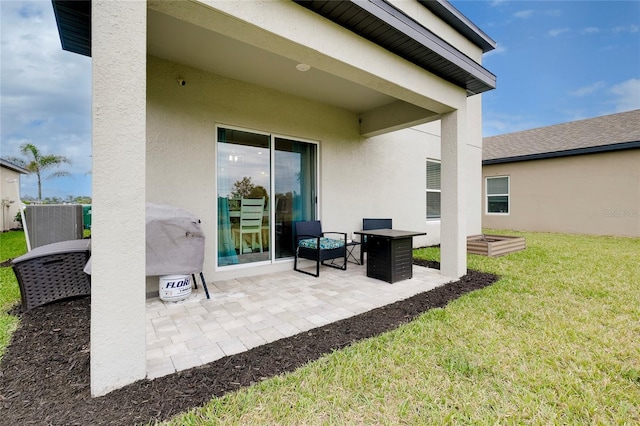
(578,177)
(595,194)
(427,18)
(154,139)
(9,196)
(473,168)
(380,176)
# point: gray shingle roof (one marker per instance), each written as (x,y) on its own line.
(616,131)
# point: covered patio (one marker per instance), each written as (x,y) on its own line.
(244,313)
(348,87)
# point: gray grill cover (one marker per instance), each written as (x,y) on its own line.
(175,241)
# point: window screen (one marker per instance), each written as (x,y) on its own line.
(498,195)
(433,175)
(433,189)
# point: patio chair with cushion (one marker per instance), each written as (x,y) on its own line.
(312,244)
(369,224)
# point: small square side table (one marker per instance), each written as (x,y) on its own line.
(351,245)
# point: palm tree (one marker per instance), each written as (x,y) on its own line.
(38,163)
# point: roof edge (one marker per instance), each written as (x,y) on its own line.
(452,16)
(413,29)
(567,153)
(14,167)
(73,19)
(438,57)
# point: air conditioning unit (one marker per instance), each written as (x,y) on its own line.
(52,223)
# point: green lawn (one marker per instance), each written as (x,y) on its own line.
(555,341)
(12,245)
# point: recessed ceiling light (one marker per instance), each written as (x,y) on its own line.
(303,67)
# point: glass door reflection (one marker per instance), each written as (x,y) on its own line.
(244,179)
(295,190)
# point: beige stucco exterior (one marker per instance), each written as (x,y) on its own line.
(154,140)
(439,27)
(9,197)
(595,194)
(118,259)
(380,176)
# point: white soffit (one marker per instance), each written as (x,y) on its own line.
(182,42)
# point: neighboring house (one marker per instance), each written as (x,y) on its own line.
(581,177)
(9,193)
(332,109)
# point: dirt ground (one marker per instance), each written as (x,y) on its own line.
(44,374)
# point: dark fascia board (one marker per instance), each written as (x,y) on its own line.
(570,152)
(452,16)
(442,59)
(74,25)
(9,165)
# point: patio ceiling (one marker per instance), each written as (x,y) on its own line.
(197,45)
(186,43)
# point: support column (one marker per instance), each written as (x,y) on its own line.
(453,239)
(119,38)
(473,165)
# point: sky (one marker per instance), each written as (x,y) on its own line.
(45,96)
(555,61)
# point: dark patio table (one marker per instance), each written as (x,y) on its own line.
(390,253)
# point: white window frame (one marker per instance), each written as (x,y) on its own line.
(487,195)
(428,190)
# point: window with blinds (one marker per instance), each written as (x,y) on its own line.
(497,193)
(433,189)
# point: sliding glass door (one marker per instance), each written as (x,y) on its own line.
(295,190)
(251,166)
(244,178)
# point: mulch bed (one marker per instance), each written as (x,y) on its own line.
(44,374)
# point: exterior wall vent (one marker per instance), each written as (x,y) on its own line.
(52,223)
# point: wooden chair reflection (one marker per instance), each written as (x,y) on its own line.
(251,212)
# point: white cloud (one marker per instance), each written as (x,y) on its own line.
(626,95)
(524,14)
(587,90)
(500,48)
(528,13)
(495,3)
(632,29)
(45,92)
(495,123)
(557,32)
(590,30)
(553,12)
